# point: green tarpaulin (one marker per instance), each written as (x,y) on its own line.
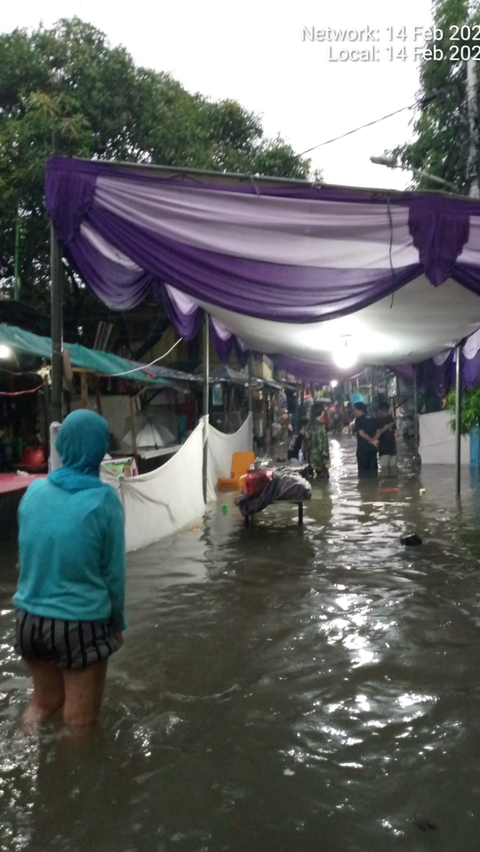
(88,359)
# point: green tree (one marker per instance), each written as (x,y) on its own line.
(67,90)
(440,122)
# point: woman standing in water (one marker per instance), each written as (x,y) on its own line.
(71,589)
(317,442)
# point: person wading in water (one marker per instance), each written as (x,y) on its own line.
(71,588)
(317,442)
(367,443)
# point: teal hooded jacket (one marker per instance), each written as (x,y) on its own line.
(72,534)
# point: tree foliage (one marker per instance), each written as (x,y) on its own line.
(469,409)
(67,90)
(440,123)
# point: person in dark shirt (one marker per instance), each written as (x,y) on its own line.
(298,441)
(367,443)
(386,439)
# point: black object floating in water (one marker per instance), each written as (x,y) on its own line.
(412,540)
(424,824)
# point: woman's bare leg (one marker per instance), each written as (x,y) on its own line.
(48,695)
(83,694)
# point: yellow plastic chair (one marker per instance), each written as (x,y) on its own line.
(241,463)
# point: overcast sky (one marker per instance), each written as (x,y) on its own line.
(253,51)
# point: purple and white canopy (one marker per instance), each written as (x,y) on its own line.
(289,269)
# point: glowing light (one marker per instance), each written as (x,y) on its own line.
(5,351)
(333,383)
(345,355)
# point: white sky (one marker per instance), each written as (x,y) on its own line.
(252,51)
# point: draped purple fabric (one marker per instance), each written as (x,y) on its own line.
(440,233)
(296,291)
(290,253)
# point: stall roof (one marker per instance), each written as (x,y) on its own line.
(286,267)
(101,362)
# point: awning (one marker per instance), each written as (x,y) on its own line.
(101,362)
(288,268)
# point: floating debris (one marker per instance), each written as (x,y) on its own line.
(424,824)
(412,540)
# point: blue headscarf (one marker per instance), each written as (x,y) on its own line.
(82,441)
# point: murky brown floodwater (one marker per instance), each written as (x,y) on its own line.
(280,690)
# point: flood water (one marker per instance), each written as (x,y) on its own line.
(280,689)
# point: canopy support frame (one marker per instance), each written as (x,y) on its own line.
(206,377)
(458,420)
(415,411)
(56,301)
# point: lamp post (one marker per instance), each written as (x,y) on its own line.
(392,163)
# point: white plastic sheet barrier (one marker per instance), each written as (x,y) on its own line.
(437,441)
(161,502)
(221,448)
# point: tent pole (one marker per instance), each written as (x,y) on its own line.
(250,396)
(206,373)
(458,420)
(415,409)
(56,301)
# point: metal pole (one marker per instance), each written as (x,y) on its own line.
(415,409)
(472,107)
(206,376)
(250,397)
(458,420)
(56,300)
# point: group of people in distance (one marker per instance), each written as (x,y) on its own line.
(375,437)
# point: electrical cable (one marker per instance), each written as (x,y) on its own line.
(143,367)
(20,393)
(422,102)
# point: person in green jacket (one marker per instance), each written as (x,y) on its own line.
(318,452)
(71,589)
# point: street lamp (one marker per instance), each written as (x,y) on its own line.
(392,163)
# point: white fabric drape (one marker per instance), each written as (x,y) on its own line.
(162,502)
(221,448)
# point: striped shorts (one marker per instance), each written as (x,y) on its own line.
(69,644)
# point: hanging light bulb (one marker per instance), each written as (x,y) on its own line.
(5,351)
(333,384)
(345,355)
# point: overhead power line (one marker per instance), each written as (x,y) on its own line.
(421,102)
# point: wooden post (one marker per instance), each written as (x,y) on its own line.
(84,389)
(133,424)
(98,395)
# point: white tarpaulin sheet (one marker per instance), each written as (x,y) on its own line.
(221,448)
(161,502)
(437,441)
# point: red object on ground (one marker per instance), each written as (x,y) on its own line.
(388,490)
(256,481)
(33,460)
(14,482)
